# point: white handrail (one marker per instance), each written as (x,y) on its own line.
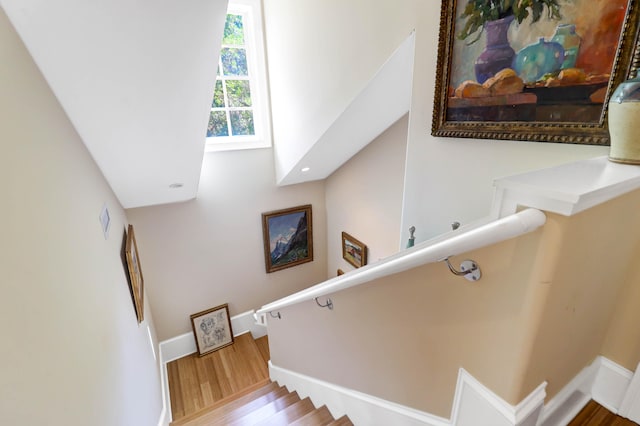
(428,252)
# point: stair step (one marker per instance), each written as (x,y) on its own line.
(289,414)
(263,412)
(267,392)
(318,417)
(342,421)
(227,416)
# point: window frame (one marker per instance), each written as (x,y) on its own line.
(256,65)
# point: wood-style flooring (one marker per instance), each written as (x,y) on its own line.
(594,414)
(198,382)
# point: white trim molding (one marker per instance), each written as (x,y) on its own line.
(362,409)
(630,405)
(474,404)
(567,189)
(604,381)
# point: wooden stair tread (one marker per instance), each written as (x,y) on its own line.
(223,406)
(318,417)
(263,412)
(289,414)
(342,421)
(224,417)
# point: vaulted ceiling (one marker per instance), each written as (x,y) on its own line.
(136,80)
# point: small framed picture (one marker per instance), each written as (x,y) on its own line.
(212,329)
(353,251)
(135,273)
(288,237)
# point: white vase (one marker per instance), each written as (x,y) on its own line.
(624,114)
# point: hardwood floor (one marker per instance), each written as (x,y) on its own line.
(594,414)
(198,382)
(240,371)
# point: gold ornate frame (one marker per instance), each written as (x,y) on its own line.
(627,59)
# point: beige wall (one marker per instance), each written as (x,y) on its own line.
(72,350)
(364,198)
(592,281)
(404,337)
(209,251)
(542,311)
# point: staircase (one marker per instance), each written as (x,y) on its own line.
(271,404)
(232,387)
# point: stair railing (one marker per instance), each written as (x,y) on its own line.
(432,251)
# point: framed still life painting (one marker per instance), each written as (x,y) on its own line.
(287,237)
(534,70)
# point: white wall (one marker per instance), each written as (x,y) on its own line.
(320,56)
(205,252)
(72,352)
(364,198)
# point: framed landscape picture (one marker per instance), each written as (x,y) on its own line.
(542,70)
(288,237)
(212,329)
(135,273)
(353,251)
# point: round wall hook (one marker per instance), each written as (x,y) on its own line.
(468,269)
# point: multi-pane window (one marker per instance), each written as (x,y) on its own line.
(238,118)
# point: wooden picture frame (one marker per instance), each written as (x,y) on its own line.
(212,329)
(288,237)
(136,279)
(553,108)
(353,250)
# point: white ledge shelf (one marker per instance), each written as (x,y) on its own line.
(566,189)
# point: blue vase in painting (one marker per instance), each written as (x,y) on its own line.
(534,61)
(498,53)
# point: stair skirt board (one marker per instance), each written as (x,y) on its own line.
(185,344)
(474,404)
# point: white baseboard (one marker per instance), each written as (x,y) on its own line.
(185,344)
(474,404)
(603,381)
(611,384)
(361,408)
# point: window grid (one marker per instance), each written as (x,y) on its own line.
(222,76)
(244,116)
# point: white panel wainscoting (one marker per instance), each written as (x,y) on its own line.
(474,404)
